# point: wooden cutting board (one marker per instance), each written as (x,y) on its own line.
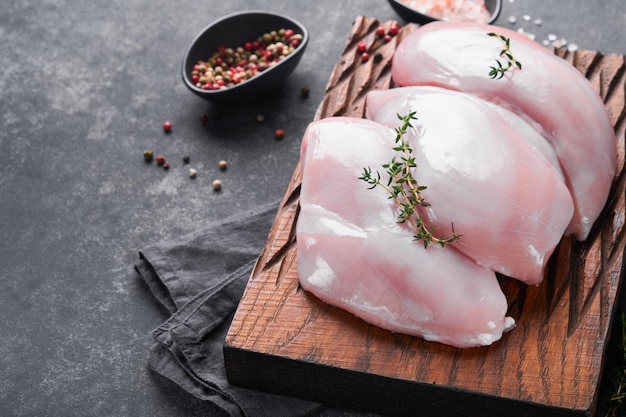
(285,341)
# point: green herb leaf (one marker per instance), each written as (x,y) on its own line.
(498,72)
(404,188)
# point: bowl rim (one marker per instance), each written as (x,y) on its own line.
(231,90)
(493,16)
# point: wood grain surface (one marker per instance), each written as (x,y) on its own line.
(286,341)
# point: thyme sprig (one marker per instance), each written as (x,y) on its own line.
(497,72)
(404,189)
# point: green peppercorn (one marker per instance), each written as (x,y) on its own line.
(148,154)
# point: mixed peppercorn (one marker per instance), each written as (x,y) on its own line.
(231,66)
(385,34)
(162,162)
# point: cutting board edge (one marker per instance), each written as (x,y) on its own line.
(361,391)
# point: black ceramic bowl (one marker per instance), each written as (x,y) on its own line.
(233,31)
(412,15)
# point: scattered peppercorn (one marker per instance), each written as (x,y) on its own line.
(365,57)
(230,66)
(260,118)
(160,159)
(380,31)
(217,185)
(166,166)
(279,133)
(223,164)
(387,38)
(167,127)
(361,47)
(186,159)
(148,154)
(378,57)
(304,92)
(394,29)
(203,118)
(192,173)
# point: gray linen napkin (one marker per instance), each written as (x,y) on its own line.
(200,279)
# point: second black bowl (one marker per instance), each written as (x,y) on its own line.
(412,15)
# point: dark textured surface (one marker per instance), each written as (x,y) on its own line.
(85,88)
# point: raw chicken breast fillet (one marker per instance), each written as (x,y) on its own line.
(547,91)
(353,254)
(499,191)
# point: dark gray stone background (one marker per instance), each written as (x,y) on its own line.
(85,87)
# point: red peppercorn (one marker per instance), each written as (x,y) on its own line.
(361,47)
(203,118)
(160,159)
(387,38)
(380,31)
(365,57)
(167,127)
(279,133)
(393,30)
(288,33)
(166,166)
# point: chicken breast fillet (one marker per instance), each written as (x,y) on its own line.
(353,254)
(498,189)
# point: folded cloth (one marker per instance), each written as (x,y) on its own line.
(200,278)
